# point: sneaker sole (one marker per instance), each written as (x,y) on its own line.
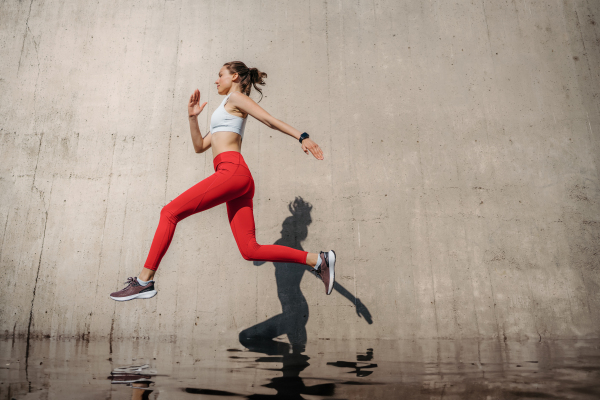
(145,295)
(130,369)
(331,271)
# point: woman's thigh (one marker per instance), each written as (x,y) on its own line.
(240,212)
(218,188)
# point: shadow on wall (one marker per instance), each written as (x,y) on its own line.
(292,320)
(294,315)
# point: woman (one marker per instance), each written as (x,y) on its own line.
(232,183)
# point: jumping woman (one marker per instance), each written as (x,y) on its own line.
(232,183)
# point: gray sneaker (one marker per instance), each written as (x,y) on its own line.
(134,290)
(326,270)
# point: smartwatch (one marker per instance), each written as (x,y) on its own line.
(303,136)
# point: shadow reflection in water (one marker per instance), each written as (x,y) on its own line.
(290,385)
(359,366)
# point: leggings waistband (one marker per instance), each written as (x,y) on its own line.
(234,157)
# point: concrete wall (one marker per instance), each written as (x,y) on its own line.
(459,189)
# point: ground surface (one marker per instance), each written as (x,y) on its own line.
(324,369)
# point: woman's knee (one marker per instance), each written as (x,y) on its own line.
(168,213)
(250,252)
(248,256)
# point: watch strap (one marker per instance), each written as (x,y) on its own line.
(303,136)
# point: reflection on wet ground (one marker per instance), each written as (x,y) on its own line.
(322,369)
(137,377)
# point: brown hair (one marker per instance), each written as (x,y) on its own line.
(249,76)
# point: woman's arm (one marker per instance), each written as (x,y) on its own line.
(200,144)
(246,104)
(194,109)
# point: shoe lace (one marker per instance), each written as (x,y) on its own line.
(132,281)
(317,272)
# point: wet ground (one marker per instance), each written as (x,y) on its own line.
(323,369)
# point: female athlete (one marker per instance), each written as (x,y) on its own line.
(232,183)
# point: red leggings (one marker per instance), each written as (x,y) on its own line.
(233,184)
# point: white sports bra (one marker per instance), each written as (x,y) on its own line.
(222,120)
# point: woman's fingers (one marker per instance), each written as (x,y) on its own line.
(317,152)
(195,97)
(314,149)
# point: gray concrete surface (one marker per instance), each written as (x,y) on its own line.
(459,189)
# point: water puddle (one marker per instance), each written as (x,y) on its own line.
(322,369)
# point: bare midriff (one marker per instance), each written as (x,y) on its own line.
(225,141)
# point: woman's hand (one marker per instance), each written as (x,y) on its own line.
(308,144)
(194,107)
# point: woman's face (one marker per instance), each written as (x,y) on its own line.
(224,80)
